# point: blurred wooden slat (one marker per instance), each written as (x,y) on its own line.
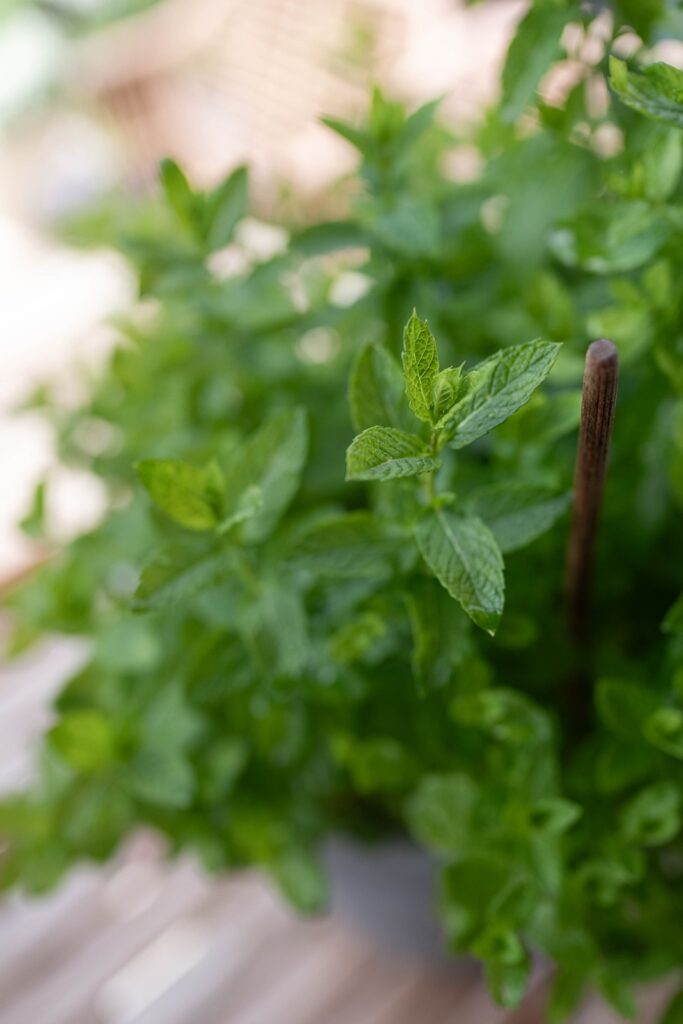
(239,930)
(56,997)
(34,934)
(294,954)
(302,988)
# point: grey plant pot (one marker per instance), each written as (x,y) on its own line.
(388,892)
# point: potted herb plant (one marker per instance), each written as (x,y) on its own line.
(328,595)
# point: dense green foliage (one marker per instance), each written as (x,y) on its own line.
(283,647)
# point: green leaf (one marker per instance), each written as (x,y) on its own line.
(34,523)
(380,764)
(500,945)
(624,706)
(612,238)
(448,387)
(348,546)
(360,139)
(507,964)
(508,982)
(673,621)
(272,459)
(189,495)
(420,366)
(545,418)
(376,393)
(357,637)
(302,880)
(472,885)
(498,387)
(225,760)
(517,513)
(567,174)
(248,504)
(86,740)
(642,15)
(628,325)
(440,810)
(428,665)
(569,987)
(518,632)
(225,207)
(36,869)
(23,817)
(97,817)
(618,992)
(662,163)
(441,633)
(383,453)
(176,574)
(673,1014)
(417,122)
(283,617)
(554,814)
(329,236)
(409,228)
(162,778)
(664,730)
(171,724)
(465,558)
(179,194)
(603,879)
(622,764)
(653,816)
(129,645)
(655,90)
(505,715)
(534,48)
(387,117)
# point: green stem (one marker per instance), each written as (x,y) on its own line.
(429,488)
(429,479)
(248,575)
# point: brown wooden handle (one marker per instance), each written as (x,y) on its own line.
(600,379)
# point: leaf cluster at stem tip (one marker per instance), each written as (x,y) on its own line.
(456,409)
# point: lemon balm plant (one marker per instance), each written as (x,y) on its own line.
(327,595)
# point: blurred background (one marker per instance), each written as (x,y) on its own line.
(92,94)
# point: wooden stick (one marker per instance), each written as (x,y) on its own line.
(600,380)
